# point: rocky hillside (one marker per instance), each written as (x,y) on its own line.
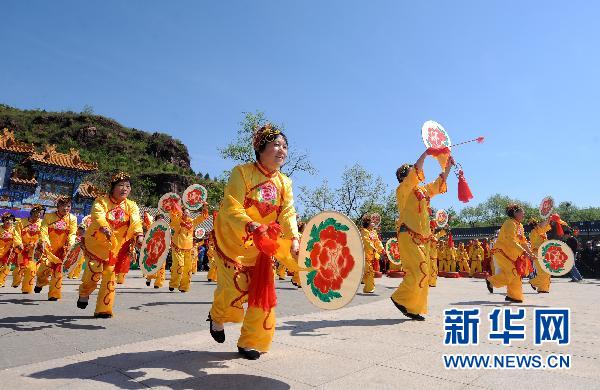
(157,162)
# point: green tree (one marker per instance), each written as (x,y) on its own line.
(241,150)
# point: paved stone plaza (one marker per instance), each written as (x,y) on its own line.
(160,339)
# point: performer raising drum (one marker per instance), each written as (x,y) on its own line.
(256,222)
(414,234)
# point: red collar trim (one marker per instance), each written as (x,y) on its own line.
(264,170)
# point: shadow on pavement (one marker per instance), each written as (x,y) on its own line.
(27,323)
(153,369)
(152,304)
(22,301)
(305,328)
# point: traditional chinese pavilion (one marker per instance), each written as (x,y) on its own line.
(28,177)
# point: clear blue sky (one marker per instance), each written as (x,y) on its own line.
(352,81)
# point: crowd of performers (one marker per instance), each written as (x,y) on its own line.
(255,239)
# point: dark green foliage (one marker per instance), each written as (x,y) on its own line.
(114,147)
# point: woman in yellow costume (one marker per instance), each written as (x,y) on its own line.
(434,253)
(510,247)
(27,236)
(476,258)
(58,231)
(451,257)
(182,241)
(414,234)
(76,272)
(463,257)
(211,255)
(7,239)
(115,228)
(256,223)
(372,248)
(537,236)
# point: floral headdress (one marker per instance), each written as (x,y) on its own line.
(121,176)
(263,135)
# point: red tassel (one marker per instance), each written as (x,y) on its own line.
(438,151)
(480,140)
(464,192)
(556,219)
(261,291)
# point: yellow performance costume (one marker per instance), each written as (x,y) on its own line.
(537,236)
(103,254)
(252,195)
(7,238)
(182,243)
(463,256)
(509,246)
(372,247)
(212,264)
(451,257)
(58,235)
(433,258)
(27,234)
(477,258)
(414,234)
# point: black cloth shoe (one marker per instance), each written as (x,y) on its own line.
(171,289)
(81,304)
(217,335)
(400,307)
(533,287)
(156,287)
(102,315)
(52,299)
(489,286)
(543,292)
(509,299)
(37,289)
(148,282)
(250,354)
(415,317)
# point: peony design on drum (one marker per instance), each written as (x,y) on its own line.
(546,207)
(554,257)
(331,259)
(194,197)
(392,250)
(155,247)
(72,258)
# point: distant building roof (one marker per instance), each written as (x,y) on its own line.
(88,190)
(21,181)
(10,144)
(69,160)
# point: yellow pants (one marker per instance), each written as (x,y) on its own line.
(25,276)
(476,267)
(452,266)
(296,278)
(105,274)
(212,271)
(4,271)
(433,271)
(121,278)
(542,280)
(258,326)
(506,275)
(194,264)
(281,272)
(159,277)
(412,292)
(181,269)
(77,270)
(464,266)
(369,277)
(48,275)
